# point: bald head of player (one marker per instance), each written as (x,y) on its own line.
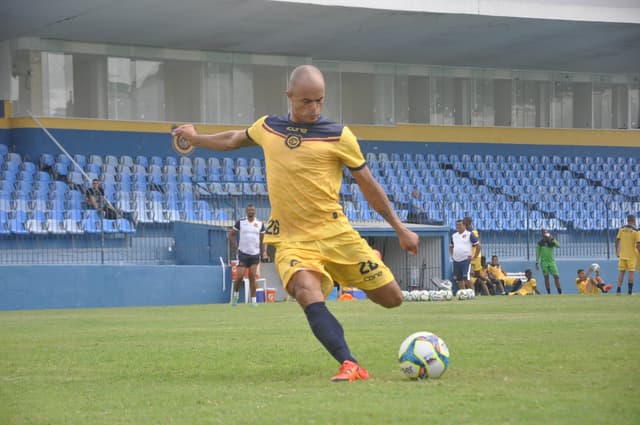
(306,94)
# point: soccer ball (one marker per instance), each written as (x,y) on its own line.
(465,294)
(595,267)
(423,355)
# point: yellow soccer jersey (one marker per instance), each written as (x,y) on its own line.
(304,173)
(583,287)
(476,263)
(528,288)
(629,237)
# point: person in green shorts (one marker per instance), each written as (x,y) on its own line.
(546,259)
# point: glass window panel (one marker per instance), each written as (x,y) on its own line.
(242,94)
(582,105)
(149,91)
(183,83)
(418,94)
(218,98)
(621,106)
(562,105)
(462,101)
(120,88)
(384,99)
(602,106)
(634,107)
(332,95)
(358,97)
(482,102)
(442,108)
(502,98)
(57,84)
(90,86)
(270,86)
(401,98)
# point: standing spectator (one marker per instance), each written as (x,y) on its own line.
(627,247)
(529,286)
(464,247)
(545,259)
(314,241)
(248,247)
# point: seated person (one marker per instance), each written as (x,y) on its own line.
(480,278)
(499,278)
(416,213)
(590,285)
(528,287)
(97,201)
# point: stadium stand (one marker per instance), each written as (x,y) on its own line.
(505,194)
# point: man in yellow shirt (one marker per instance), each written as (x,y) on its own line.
(499,277)
(528,286)
(627,247)
(314,241)
(586,284)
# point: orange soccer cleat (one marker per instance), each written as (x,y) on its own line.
(350,371)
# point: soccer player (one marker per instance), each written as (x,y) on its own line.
(499,277)
(314,241)
(529,287)
(463,248)
(476,262)
(248,247)
(586,284)
(627,247)
(545,259)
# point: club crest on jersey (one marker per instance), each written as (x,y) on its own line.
(293,141)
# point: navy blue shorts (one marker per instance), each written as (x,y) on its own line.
(246,260)
(461,270)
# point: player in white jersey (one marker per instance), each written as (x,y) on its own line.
(248,247)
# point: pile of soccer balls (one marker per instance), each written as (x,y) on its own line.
(424,295)
(440,295)
(423,355)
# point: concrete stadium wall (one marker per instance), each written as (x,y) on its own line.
(50,287)
(88,137)
(68,286)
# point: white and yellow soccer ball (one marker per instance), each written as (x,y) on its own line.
(423,355)
(594,267)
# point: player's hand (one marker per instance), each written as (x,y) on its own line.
(409,241)
(265,257)
(185,131)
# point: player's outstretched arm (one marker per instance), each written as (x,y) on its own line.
(379,201)
(223,141)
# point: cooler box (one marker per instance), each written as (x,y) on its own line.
(260,295)
(271,295)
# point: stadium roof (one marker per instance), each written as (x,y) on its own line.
(326,31)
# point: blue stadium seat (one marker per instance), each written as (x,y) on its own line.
(141,160)
(124,226)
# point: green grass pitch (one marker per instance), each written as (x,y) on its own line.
(514,360)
